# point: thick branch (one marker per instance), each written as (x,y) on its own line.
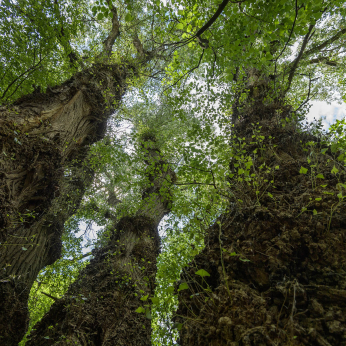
(138,45)
(113,34)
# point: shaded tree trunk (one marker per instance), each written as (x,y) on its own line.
(100,306)
(44,139)
(277,258)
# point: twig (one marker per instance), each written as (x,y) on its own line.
(50,296)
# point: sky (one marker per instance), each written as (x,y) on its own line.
(331,112)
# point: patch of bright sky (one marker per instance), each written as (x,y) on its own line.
(328,112)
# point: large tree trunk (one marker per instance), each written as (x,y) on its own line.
(100,306)
(277,271)
(44,139)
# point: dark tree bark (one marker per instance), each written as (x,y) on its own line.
(277,272)
(100,307)
(44,139)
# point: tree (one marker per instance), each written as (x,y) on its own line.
(103,305)
(46,135)
(237,50)
(261,279)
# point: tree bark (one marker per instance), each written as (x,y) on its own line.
(44,140)
(277,270)
(100,307)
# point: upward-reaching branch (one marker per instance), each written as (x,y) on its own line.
(299,57)
(113,34)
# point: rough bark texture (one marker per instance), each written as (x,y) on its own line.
(99,308)
(277,274)
(44,138)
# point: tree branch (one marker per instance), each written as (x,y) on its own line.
(209,23)
(81,257)
(324,44)
(113,34)
(324,60)
(138,45)
(29,70)
(49,296)
(299,57)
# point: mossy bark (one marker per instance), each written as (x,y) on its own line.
(277,270)
(44,140)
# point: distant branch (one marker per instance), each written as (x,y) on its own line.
(49,296)
(187,73)
(81,257)
(324,44)
(324,60)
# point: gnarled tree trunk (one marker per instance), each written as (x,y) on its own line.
(44,139)
(100,306)
(277,258)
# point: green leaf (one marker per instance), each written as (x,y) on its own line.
(178,326)
(140,310)
(202,273)
(144,298)
(334,148)
(318,199)
(334,170)
(100,16)
(183,286)
(148,314)
(155,300)
(303,170)
(24,248)
(128,17)
(180,26)
(314,212)
(320,176)
(170,289)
